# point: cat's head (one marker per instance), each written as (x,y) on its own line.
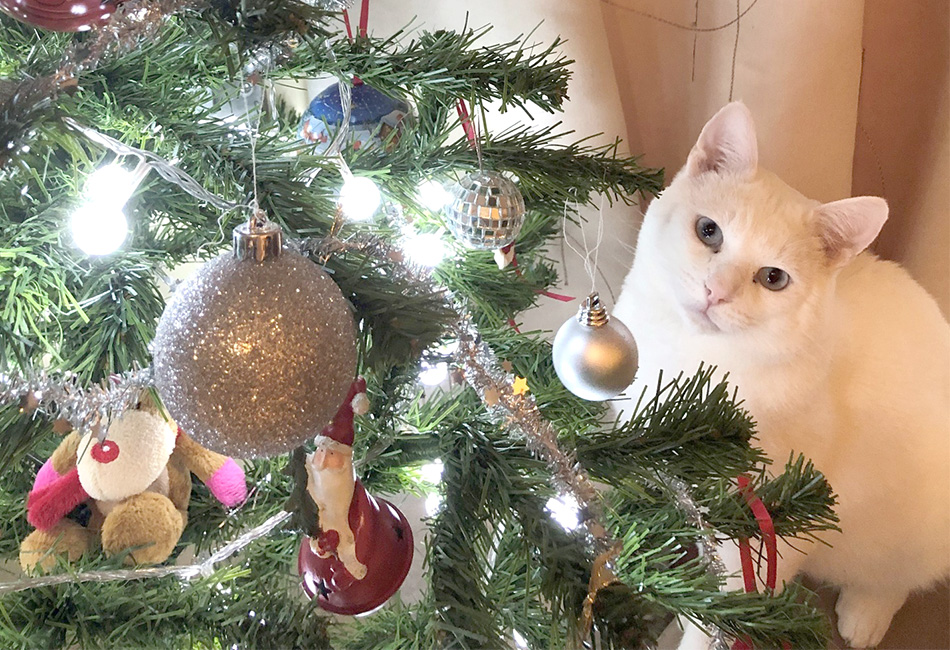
(738,250)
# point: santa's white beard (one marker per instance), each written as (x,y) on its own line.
(332,491)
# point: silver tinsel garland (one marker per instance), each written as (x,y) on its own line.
(520,414)
(60,396)
(709,549)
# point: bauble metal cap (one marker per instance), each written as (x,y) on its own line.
(258,240)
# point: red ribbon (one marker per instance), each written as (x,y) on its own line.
(346,23)
(764,520)
(466,120)
(556,296)
(364,20)
(767,527)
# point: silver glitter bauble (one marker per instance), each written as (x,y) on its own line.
(595,357)
(486,211)
(256,351)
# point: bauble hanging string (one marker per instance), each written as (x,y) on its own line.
(595,357)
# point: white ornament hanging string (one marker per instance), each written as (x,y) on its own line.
(257,217)
(591,257)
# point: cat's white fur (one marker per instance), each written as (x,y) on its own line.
(849,364)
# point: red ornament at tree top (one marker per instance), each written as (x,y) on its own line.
(60,15)
(364,549)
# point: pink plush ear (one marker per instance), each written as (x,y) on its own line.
(727,144)
(849,226)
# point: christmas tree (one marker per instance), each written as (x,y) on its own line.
(179,94)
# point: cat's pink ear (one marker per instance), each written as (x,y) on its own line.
(849,226)
(727,144)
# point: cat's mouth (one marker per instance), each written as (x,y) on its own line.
(702,319)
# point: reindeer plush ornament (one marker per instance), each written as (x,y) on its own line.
(137,482)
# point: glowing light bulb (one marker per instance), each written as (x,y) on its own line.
(359,198)
(98,229)
(99,226)
(425,249)
(520,641)
(565,511)
(433,195)
(433,503)
(432,472)
(111,185)
(433,374)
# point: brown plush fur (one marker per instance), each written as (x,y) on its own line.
(148,524)
(64,458)
(67,539)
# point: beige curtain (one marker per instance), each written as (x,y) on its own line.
(902,149)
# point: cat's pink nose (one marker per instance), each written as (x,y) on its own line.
(716,292)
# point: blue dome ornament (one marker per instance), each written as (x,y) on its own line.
(376,119)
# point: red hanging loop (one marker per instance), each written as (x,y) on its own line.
(767,527)
(346,23)
(364,21)
(364,18)
(466,121)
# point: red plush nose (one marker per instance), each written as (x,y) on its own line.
(105,451)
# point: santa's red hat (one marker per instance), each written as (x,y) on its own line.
(340,428)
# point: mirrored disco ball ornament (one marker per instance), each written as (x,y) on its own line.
(255,352)
(486,211)
(595,356)
(60,15)
(376,119)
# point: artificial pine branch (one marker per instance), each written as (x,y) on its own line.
(454,65)
(689,428)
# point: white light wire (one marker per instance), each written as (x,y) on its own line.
(185,572)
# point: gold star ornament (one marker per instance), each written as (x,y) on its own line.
(520,386)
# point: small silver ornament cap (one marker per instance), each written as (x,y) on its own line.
(592,312)
(257,239)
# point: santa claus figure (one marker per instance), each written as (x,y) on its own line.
(363,551)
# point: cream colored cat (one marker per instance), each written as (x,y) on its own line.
(837,354)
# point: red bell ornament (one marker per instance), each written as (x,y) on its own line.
(383,546)
(60,15)
(364,549)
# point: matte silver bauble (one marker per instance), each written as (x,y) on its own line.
(255,352)
(595,357)
(486,211)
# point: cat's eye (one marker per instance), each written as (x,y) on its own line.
(709,233)
(771,278)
